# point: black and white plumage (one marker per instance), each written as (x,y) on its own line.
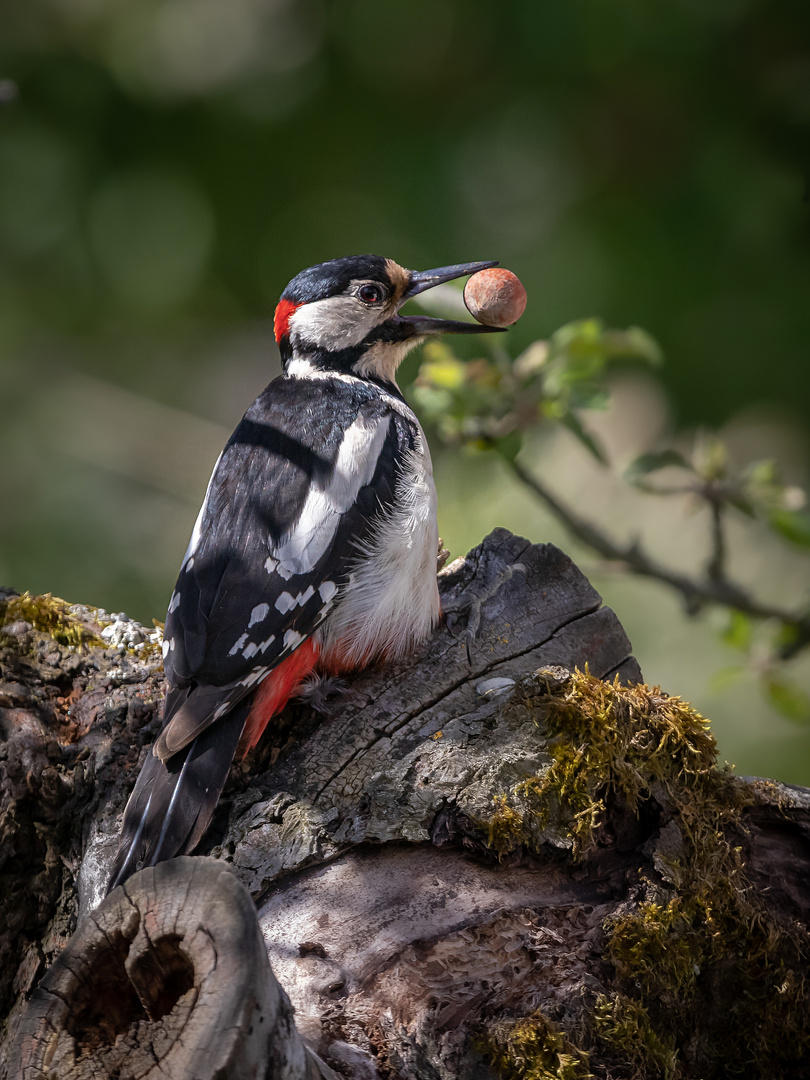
(314,550)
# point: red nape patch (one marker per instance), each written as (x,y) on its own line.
(281,320)
(275,691)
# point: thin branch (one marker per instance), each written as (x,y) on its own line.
(716,568)
(696,593)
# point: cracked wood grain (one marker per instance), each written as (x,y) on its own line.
(364,839)
(167,978)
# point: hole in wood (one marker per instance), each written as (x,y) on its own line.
(161,975)
(106,1005)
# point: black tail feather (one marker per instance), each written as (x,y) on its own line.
(173,803)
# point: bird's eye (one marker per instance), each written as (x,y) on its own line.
(371,294)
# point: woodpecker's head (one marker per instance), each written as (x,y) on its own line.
(343,315)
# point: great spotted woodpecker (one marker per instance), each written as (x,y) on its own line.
(315,548)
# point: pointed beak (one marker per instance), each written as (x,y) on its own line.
(422,325)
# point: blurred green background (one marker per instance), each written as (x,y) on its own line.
(167,165)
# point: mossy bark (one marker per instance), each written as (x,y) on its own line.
(485,866)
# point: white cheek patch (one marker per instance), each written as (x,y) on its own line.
(338,322)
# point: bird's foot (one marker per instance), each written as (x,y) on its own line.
(442,555)
(471,602)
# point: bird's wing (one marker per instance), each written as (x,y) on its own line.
(275,541)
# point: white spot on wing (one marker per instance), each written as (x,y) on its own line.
(237,645)
(250,650)
(167,644)
(175,602)
(259,613)
(254,676)
(292,639)
(327,589)
(270,565)
(264,645)
(303,597)
(284,602)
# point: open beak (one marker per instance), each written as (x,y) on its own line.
(422,325)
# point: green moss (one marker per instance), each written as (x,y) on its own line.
(505,831)
(606,739)
(532,1049)
(624,1026)
(703,979)
(49,615)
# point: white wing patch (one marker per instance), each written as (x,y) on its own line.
(292,639)
(196,532)
(310,537)
(259,614)
(327,590)
(393,602)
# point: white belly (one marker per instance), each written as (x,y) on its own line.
(391,601)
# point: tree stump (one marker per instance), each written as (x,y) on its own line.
(482,864)
(167,977)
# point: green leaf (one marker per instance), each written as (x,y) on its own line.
(652,461)
(633,344)
(738,632)
(726,676)
(745,506)
(789,699)
(509,446)
(710,456)
(793,525)
(443,369)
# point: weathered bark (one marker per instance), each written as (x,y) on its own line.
(135,990)
(476,867)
